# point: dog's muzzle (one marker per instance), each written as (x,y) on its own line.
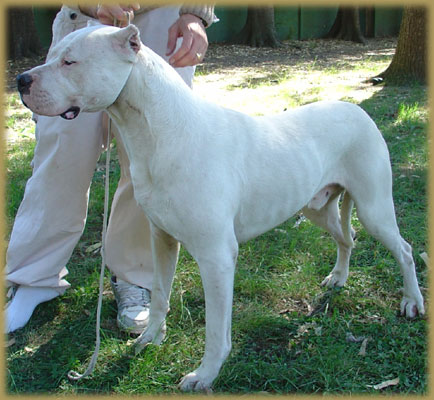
(24,82)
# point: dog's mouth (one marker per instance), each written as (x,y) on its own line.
(71,113)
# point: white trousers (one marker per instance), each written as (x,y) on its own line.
(52,215)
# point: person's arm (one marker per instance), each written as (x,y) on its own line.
(204,12)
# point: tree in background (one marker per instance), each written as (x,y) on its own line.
(259,30)
(409,64)
(22,38)
(347,25)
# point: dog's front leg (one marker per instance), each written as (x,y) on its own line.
(165,251)
(217,272)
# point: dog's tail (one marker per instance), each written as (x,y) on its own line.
(346,209)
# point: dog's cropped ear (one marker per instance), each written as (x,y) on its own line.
(127,41)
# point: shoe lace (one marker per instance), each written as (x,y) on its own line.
(130,296)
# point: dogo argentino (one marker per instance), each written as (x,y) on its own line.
(210,177)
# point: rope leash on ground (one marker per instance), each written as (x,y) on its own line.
(73,375)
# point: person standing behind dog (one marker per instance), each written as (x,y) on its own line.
(52,214)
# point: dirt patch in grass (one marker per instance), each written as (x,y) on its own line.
(324,52)
(242,77)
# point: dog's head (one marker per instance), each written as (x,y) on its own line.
(85,71)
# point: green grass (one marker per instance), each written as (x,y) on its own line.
(289,334)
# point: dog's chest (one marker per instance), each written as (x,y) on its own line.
(155,201)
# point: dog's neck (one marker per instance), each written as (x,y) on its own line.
(154,111)
(157,96)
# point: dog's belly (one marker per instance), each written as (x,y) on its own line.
(246,230)
(259,217)
(276,188)
(265,206)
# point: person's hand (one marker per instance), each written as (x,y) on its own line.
(194,41)
(108,13)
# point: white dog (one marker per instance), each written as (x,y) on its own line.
(210,178)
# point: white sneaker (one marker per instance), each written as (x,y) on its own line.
(133,306)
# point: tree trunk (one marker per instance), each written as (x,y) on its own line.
(370,22)
(259,30)
(22,36)
(409,64)
(346,25)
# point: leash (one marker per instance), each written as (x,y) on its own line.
(73,375)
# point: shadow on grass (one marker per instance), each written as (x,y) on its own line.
(319,353)
(406,138)
(67,343)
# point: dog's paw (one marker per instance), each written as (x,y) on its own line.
(148,336)
(335,279)
(410,307)
(193,382)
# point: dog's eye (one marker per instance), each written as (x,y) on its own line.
(66,62)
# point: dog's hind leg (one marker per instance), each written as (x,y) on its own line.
(217,267)
(339,228)
(165,250)
(377,215)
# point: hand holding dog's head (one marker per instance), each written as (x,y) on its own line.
(85,71)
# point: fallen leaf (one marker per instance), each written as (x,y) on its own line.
(352,339)
(362,351)
(29,349)
(93,247)
(300,219)
(424,257)
(303,329)
(10,291)
(385,384)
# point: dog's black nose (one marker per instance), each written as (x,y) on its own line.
(24,81)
